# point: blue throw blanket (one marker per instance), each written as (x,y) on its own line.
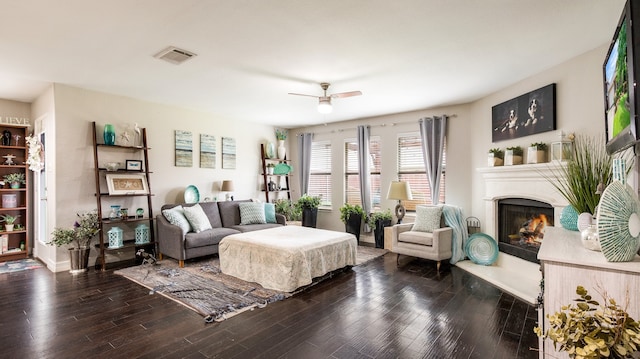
(454,218)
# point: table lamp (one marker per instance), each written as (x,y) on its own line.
(400,191)
(227,186)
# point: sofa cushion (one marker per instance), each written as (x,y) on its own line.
(427,218)
(197,218)
(176,217)
(212,212)
(255,227)
(415,237)
(252,213)
(207,238)
(270,213)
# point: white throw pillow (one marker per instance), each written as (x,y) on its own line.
(176,217)
(252,213)
(427,218)
(197,218)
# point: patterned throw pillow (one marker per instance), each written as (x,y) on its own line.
(270,213)
(197,218)
(427,218)
(252,213)
(176,217)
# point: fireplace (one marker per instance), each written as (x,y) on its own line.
(521,225)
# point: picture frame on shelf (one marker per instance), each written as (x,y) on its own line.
(127,184)
(133,165)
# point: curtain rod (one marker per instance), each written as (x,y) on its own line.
(379,125)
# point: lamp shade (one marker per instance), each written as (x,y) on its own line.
(399,190)
(227,186)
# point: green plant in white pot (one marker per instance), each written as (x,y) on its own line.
(15,179)
(9,220)
(79,236)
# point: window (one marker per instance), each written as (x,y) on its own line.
(352,181)
(411,169)
(320,172)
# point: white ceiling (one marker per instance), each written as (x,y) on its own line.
(403,55)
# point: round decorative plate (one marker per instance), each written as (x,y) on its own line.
(191,194)
(618,222)
(281,169)
(481,249)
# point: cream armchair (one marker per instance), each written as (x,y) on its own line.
(434,246)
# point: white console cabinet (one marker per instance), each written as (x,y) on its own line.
(566,264)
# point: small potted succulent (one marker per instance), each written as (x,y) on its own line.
(537,153)
(270,167)
(351,216)
(513,156)
(496,157)
(15,179)
(379,220)
(9,220)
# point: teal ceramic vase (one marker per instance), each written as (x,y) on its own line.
(569,218)
(109,135)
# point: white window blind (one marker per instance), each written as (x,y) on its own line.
(320,172)
(411,169)
(352,182)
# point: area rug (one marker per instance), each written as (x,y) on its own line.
(19,265)
(202,287)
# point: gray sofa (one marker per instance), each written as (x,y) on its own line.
(225,220)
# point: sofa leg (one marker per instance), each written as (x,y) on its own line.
(159,256)
(438,267)
(181,263)
(398,260)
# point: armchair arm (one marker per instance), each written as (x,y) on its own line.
(281,219)
(442,240)
(170,238)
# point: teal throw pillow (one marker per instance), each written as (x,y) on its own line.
(197,218)
(270,213)
(176,217)
(252,213)
(427,218)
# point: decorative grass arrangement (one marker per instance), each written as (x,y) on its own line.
(588,166)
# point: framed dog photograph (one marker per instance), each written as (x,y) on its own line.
(127,184)
(134,165)
(525,115)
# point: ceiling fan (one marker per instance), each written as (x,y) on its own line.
(324,101)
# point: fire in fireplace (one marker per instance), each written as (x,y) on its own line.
(521,224)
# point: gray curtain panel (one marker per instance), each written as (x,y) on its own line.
(305,141)
(364,170)
(432,132)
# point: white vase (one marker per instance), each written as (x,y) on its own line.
(282,152)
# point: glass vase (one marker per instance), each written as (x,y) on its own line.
(109,135)
(590,238)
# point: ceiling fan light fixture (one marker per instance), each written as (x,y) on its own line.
(324,105)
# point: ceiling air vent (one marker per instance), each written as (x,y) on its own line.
(174,55)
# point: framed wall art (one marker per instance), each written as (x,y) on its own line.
(228,153)
(127,184)
(184,149)
(207,151)
(525,115)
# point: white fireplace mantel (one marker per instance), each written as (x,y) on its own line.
(530,181)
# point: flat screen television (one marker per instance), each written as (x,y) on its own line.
(620,67)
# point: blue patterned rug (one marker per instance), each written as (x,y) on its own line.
(19,265)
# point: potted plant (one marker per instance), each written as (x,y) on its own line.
(308,205)
(351,216)
(79,237)
(15,179)
(379,220)
(288,210)
(590,330)
(513,156)
(496,157)
(270,167)
(281,136)
(9,220)
(537,153)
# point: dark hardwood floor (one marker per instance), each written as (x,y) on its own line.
(376,310)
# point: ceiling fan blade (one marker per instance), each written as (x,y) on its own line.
(302,94)
(346,94)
